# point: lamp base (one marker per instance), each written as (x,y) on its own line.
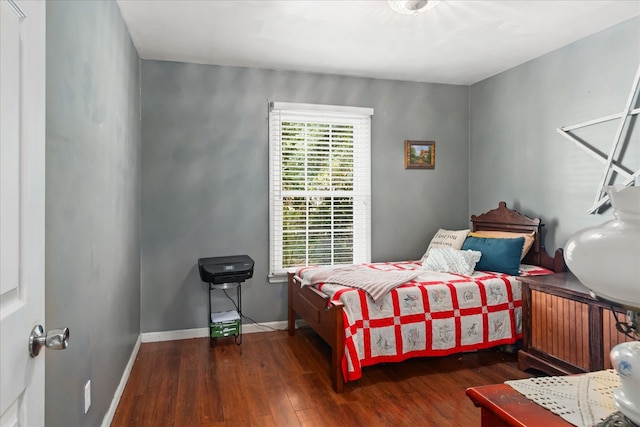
(625,358)
(628,408)
(617,419)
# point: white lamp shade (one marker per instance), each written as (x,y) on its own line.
(606,258)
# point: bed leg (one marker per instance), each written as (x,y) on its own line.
(291,328)
(337,381)
(337,351)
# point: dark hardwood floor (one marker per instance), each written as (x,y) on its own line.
(272,379)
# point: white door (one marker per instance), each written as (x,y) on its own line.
(22,203)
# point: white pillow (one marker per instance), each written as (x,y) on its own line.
(452,261)
(453,239)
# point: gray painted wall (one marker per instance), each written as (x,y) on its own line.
(92,205)
(516,154)
(205,176)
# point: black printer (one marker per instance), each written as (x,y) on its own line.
(225,269)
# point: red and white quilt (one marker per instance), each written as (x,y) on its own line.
(435,314)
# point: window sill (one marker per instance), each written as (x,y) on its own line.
(279,278)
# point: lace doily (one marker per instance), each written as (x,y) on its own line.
(582,400)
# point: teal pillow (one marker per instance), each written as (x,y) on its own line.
(500,255)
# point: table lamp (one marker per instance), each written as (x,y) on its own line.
(606,259)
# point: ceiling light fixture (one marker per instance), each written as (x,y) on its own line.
(411,7)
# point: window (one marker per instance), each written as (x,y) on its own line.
(320,185)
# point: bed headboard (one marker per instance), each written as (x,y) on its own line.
(505,219)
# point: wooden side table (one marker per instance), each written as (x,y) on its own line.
(502,406)
(564,329)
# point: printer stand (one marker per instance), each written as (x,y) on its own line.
(222,273)
(226,323)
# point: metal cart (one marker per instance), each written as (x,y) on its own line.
(223,273)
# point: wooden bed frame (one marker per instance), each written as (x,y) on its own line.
(325,317)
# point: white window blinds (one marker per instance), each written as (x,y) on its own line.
(320,185)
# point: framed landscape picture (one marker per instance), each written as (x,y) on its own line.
(419,154)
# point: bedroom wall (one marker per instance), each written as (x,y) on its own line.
(205,176)
(516,154)
(92,206)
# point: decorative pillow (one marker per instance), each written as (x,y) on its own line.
(447,239)
(451,260)
(529,238)
(500,255)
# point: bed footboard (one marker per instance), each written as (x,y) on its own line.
(324,317)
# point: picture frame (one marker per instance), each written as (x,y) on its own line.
(419,154)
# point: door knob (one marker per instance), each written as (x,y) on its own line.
(55,339)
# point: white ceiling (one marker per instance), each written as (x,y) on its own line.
(456,42)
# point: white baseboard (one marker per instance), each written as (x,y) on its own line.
(108,418)
(179,335)
(184,334)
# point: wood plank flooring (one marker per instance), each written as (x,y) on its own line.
(272,379)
